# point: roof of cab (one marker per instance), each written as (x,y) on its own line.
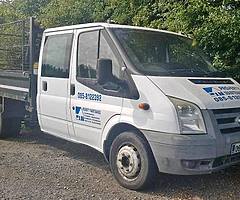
(106,25)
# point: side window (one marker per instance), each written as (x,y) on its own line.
(87,55)
(98,66)
(56,56)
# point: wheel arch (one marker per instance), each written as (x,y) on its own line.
(116,130)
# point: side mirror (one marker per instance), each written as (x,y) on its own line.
(104,71)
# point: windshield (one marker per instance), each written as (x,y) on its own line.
(157,53)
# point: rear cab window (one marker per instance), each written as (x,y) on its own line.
(57,55)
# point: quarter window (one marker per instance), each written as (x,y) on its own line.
(56,56)
(106,52)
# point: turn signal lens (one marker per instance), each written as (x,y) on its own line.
(144,106)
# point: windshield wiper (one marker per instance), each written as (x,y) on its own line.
(218,74)
(194,72)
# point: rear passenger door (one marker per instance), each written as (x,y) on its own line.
(53,85)
(91,104)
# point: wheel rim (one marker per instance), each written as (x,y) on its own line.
(128,162)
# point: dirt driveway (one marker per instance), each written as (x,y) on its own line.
(38,166)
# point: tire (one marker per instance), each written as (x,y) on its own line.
(132,162)
(9,127)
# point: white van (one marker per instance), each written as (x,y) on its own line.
(147,99)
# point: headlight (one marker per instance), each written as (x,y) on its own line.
(189,116)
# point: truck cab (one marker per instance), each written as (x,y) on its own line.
(147,99)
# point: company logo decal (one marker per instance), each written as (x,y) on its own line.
(87,115)
(223,93)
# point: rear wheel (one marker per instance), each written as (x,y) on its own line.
(132,162)
(9,127)
(11,114)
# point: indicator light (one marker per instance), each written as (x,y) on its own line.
(144,106)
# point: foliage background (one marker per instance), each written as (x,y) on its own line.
(214,24)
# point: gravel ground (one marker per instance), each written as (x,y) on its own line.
(39,166)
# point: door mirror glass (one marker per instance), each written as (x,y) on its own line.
(104,68)
(105,76)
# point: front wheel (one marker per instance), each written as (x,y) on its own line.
(132,162)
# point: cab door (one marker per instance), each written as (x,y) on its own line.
(53,85)
(92,105)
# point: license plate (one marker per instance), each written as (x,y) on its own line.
(235,148)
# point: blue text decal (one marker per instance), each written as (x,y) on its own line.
(88,96)
(87,115)
(223,93)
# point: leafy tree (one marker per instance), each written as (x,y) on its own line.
(61,12)
(11,10)
(214,24)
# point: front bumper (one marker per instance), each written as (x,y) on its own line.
(196,154)
(191,154)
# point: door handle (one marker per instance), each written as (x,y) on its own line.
(72,90)
(44,86)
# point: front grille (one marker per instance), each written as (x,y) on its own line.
(224,160)
(228,120)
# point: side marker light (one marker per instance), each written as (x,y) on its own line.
(144,106)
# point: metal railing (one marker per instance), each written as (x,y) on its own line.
(14,45)
(18,40)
